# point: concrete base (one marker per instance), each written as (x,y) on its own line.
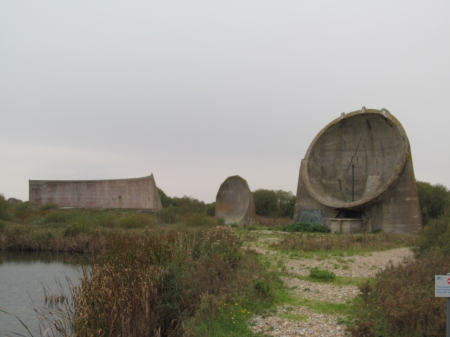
(345,226)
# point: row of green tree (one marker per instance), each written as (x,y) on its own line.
(433,199)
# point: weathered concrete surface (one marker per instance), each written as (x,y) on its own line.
(136,193)
(360,166)
(234,202)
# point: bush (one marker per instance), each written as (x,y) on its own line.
(136,220)
(47,207)
(199,220)
(167,215)
(75,229)
(433,199)
(303,227)
(2,226)
(165,200)
(323,275)
(58,217)
(261,286)
(401,302)
(211,209)
(4,209)
(435,236)
(276,204)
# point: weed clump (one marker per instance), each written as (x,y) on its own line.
(306,228)
(322,275)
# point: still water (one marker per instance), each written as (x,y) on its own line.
(23,277)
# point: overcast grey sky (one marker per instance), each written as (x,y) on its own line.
(196,91)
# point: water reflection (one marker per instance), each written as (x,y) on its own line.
(23,276)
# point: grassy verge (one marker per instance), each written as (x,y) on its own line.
(342,245)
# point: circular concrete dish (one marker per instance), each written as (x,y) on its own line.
(234,201)
(374,143)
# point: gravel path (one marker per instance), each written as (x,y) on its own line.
(289,321)
(307,323)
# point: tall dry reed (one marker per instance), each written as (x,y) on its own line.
(148,285)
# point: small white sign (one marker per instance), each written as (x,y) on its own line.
(442,286)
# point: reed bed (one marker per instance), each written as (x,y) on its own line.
(35,238)
(160,283)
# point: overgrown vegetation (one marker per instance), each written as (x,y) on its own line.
(400,301)
(168,283)
(176,273)
(323,275)
(433,200)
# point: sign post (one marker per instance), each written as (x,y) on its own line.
(442,289)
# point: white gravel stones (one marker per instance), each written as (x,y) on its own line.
(321,291)
(309,323)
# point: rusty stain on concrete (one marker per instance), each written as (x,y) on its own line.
(360,166)
(135,193)
(234,202)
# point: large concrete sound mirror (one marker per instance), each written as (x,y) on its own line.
(234,202)
(358,175)
(135,193)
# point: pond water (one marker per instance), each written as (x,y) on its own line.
(23,277)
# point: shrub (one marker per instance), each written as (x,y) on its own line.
(211,209)
(4,209)
(46,207)
(136,220)
(2,226)
(73,230)
(323,275)
(261,286)
(199,220)
(435,236)
(165,200)
(167,215)
(58,217)
(401,302)
(433,199)
(22,211)
(303,227)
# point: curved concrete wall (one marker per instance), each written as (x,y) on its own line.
(136,193)
(234,202)
(360,165)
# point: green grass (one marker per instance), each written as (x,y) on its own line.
(294,317)
(325,307)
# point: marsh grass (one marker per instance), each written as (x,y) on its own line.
(167,283)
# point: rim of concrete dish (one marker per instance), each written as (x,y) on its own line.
(399,168)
